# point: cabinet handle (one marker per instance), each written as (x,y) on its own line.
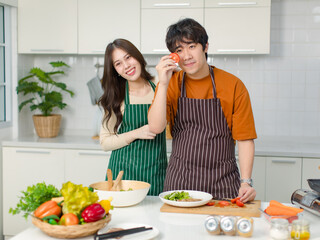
(32,151)
(171,4)
(283,161)
(236,3)
(98,51)
(236,50)
(160,50)
(93,154)
(46,50)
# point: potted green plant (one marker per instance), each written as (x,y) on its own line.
(46,95)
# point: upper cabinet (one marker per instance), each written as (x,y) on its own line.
(101,21)
(157,16)
(238,27)
(87,26)
(46,26)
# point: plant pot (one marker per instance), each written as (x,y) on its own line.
(47,126)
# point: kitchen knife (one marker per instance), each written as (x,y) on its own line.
(229,200)
(121,233)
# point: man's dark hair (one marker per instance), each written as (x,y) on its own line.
(184,31)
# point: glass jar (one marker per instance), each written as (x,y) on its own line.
(279,229)
(300,230)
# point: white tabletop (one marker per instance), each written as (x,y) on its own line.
(174,225)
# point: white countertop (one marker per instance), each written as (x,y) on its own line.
(264,145)
(174,225)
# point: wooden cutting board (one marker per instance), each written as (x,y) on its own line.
(249,210)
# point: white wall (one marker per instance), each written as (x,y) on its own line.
(284,86)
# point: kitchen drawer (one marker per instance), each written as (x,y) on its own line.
(310,170)
(86,166)
(237,3)
(283,177)
(172,4)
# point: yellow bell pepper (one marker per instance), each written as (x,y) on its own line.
(106,204)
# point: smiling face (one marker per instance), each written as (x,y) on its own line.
(193,59)
(126,65)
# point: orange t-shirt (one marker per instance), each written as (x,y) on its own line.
(231,91)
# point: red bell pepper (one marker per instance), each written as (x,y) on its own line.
(93,212)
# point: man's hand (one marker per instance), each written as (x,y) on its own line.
(165,68)
(246,193)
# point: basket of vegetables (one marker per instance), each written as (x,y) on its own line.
(76,214)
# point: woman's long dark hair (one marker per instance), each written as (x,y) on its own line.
(113,84)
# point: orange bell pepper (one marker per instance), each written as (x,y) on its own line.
(48,208)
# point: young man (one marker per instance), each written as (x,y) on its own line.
(207,109)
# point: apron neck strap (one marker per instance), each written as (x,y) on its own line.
(183,89)
(127,99)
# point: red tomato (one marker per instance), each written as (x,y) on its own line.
(210,203)
(235,200)
(239,203)
(175,57)
(69,219)
(224,203)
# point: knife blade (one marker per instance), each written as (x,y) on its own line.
(121,233)
(229,200)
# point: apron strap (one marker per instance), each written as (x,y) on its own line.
(127,99)
(183,89)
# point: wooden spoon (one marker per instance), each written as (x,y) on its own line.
(117,181)
(110,181)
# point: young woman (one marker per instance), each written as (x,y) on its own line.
(128,93)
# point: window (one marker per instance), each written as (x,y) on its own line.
(5,65)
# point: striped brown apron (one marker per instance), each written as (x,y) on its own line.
(203,150)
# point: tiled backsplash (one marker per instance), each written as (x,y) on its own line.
(284,86)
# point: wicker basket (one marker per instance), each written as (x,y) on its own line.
(47,126)
(74,231)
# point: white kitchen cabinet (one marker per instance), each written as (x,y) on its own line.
(24,167)
(101,21)
(238,27)
(86,166)
(283,177)
(46,26)
(310,170)
(157,16)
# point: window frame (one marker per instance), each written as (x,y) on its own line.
(8,66)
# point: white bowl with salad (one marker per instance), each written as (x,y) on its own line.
(185,198)
(127,192)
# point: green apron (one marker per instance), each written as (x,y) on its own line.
(143,159)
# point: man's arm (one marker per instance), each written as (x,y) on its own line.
(246,157)
(157,119)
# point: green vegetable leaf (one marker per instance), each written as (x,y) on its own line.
(174,196)
(33,197)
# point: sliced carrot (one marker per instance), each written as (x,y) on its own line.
(275,203)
